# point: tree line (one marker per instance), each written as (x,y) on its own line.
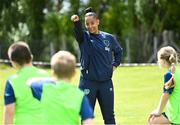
(141,26)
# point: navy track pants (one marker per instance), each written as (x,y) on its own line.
(104,93)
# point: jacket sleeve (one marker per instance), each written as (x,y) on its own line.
(78,32)
(117,50)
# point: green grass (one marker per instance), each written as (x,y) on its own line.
(137,92)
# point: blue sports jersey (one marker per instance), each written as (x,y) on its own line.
(86,110)
(99,53)
(167,77)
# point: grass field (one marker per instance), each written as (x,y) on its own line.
(137,92)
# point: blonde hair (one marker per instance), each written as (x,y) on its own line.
(168,54)
(63,63)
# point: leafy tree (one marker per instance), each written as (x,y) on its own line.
(47,28)
(8,12)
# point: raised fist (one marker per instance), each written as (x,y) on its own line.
(74,18)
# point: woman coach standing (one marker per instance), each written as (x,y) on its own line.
(100,54)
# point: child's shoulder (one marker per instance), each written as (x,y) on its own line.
(167,76)
(168,73)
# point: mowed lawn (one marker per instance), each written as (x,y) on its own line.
(137,92)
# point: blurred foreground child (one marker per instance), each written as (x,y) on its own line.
(20,106)
(61,102)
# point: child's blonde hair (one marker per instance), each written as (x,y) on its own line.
(63,63)
(168,54)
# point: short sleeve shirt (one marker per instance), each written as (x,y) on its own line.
(167,77)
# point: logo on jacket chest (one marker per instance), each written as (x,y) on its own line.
(107,45)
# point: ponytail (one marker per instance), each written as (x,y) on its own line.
(89,12)
(172,59)
(168,54)
(172,68)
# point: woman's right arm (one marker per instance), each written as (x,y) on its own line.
(78,31)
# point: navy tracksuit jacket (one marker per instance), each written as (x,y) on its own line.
(99,53)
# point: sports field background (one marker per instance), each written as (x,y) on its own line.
(137,92)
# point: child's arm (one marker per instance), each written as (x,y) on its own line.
(8,114)
(165,96)
(9,102)
(86,112)
(88,122)
(36,85)
(162,103)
